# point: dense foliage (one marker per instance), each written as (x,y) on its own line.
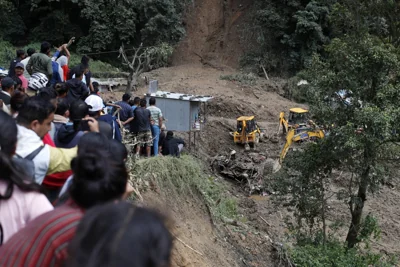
(98,24)
(289,32)
(360,59)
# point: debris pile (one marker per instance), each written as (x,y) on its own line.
(249,169)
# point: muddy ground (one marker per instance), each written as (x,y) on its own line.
(254,243)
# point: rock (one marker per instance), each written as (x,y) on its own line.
(243,237)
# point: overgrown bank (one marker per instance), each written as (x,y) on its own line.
(179,177)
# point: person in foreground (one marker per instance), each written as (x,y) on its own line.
(20,200)
(120,234)
(98,179)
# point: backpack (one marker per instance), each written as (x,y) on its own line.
(26,165)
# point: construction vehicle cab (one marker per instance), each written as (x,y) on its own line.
(247,132)
(298,117)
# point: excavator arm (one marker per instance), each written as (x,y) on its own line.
(302,136)
(283,124)
(289,140)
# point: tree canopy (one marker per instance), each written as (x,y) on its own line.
(98,25)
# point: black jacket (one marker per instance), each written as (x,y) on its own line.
(77,90)
(67,137)
(170,146)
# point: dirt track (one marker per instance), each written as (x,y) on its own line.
(233,246)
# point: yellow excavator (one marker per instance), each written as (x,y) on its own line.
(301,134)
(298,118)
(247,133)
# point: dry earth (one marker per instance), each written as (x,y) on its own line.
(224,244)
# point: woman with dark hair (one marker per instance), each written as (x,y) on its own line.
(98,179)
(20,201)
(16,102)
(119,234)
(90,142)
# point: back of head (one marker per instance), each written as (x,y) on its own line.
(85,60)
(17,100)
(80,71)
(35,108)
(126,97)
(95,87)
(78,110)
(61,89)
(8,134)
(45,47)
(98,178)
(119,151)
(152,101)
(119,234)
(20,53)
(143,103)
(93,141)
(170,133)
(136,101)
(47,93)
(62,106)
(31,51)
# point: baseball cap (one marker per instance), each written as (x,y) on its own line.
(19,65)
(95,102)
(7,82)
(78,110)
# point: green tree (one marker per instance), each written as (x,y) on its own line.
(289,32)
(363,134)
(132,22)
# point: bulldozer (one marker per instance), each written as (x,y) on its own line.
(301,134)
(298,118)
(247,133)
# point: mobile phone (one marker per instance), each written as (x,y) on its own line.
(85,126)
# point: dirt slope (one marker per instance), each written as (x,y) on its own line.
(192,225)
(235,246)
(214,32)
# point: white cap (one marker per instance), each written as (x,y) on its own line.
(95,102)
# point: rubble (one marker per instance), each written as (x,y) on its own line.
(250,169)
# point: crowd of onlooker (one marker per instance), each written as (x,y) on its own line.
(63,174)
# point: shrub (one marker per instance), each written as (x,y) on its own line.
(243,78)
(7,53)
(334,253)
(183,176)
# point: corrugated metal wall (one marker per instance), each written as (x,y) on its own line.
(180,114)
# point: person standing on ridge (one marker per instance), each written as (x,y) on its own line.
(156,123)
(142,128)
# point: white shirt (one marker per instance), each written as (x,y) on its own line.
(25,62)
(29,141)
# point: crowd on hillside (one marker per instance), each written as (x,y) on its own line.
(63,176)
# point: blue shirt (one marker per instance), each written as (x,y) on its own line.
(55,78)
(126,111)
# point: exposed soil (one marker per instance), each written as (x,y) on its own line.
(249,245)
(215,32)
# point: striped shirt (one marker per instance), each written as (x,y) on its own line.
(44,241)
(156,114)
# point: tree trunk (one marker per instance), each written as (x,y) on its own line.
(130,84)
(357,206)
